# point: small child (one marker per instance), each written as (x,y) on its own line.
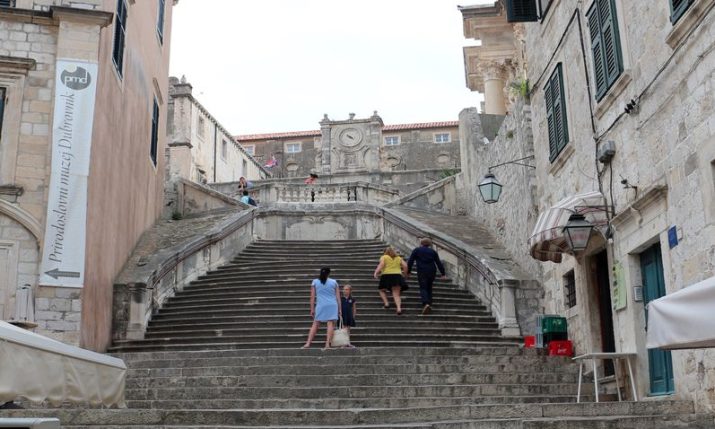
(349,309)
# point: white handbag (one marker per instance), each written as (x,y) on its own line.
(341,336)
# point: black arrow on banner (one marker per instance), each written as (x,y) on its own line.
(56,273)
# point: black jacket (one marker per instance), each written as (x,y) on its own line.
(426,259)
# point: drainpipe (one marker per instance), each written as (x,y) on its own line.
(215,139)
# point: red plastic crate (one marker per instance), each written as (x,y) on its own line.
(560,348)
(529,341)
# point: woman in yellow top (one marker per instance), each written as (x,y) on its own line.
(390,270)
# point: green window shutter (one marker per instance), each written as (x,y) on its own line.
(599,71)
(678,8)
(611,40)
(521,11)
(556,113)
(557,91)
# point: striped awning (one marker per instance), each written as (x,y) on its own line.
(547,242)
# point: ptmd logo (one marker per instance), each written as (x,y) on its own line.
(77,80)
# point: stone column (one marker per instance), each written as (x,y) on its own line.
(325,146)
(494,83)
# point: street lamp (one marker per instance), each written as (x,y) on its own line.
(490,189)
(578,232)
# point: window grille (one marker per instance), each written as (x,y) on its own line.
(570,289)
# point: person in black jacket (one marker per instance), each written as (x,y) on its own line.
(427,264)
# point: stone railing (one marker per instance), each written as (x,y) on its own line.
(177,253)
(324,193)
(440,196)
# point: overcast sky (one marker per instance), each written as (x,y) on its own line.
(264,66)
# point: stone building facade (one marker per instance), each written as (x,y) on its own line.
(628,111)
(355,147)
(199,147)
(84,85)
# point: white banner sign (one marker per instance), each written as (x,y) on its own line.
(65,228)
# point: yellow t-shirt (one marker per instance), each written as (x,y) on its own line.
(392,265)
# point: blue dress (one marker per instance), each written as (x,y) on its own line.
(326,305)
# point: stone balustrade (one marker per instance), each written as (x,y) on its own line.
(323,193)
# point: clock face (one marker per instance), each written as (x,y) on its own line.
(350,136)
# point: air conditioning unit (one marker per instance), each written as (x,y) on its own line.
(30,423)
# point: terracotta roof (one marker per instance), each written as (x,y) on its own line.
(421,125)
(316,133)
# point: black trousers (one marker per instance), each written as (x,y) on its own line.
(426,280)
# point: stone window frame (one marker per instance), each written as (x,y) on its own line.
(250,149)
(160,21)
(120,36)
(396,142)
(686,21)
(439,140)
(299,145)
(13,73)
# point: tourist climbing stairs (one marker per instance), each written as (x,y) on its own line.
(225,353)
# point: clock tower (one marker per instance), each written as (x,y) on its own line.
(350,146)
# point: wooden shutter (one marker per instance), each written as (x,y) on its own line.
(556,113)
(605,45)
(611,41)
(549,98)
(521,10)
(678,8)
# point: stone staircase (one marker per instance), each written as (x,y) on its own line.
(261,300)
(224,353)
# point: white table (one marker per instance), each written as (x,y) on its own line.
(604,356)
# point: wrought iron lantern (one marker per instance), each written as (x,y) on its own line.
(490,189)
(578,232)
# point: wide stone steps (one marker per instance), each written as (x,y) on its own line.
(631,415)
(343,403)
(225,353)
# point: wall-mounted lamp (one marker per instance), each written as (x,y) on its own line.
(490,188)
(578,232)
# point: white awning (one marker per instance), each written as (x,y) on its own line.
(547,241)
(683,319)
(40,369)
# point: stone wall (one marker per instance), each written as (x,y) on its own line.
(513,217)
(664,154)
(194,199)
(440,196)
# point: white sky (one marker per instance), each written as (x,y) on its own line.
(277,65)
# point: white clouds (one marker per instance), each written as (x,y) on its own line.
(264,66)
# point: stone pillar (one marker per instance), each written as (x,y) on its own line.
(494,83)
(325,146)
(508,323)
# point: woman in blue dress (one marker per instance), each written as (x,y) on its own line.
(324,305)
